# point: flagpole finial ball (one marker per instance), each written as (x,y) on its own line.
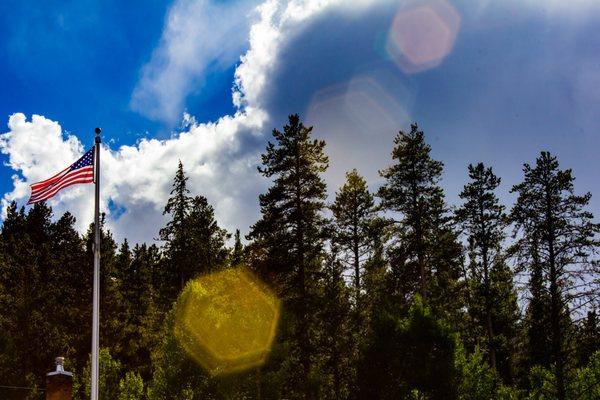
(97,130)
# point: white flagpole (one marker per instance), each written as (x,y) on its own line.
(96,311)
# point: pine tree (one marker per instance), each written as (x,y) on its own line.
(194,243)
(70,289)
(537,318)
(483,222)
(404,355)
(145,263)
(237,253)
(22,319)
(291,233)
(588,337)
(122,299)
(426,249)
(206,240)
(336,345)
(548,210)
(136,305)
(44,294)
(177,265)
(353,212)
(177,205)
(376,275)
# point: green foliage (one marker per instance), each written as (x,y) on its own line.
(425,257)
(289,239)
(336,345)
(588,335)
(404,354)
(193,241)
(176,376)
(491,296)
(131,387)
(582,384)
(543,384)
(44,294)
(586,384)
(557,239)
(108,379)
(479,381)
(353,212)
(34,392)
(138,316)
(508,393)
(237,253)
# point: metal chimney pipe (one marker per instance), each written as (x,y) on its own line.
(60,364)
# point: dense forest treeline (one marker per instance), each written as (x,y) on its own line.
(386,295)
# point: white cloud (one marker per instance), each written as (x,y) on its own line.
(290,66)
(199,36)
(277,25)
(137,179)
(38,148)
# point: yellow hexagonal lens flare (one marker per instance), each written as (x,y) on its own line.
(226,321)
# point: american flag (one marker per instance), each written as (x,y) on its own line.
(81,171)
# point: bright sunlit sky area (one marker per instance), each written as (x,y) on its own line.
(205,82)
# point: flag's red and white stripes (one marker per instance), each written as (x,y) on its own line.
(82,171)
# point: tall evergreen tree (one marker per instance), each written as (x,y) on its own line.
(291,233)
(206,250)
(137,309)
(177,205)
(237,253)
(566,236)
(353,212)
(71,287)
(336,345)
(194,242)
(426,249)
(177,268)
(375,276)
(538,350)
(483,222)
(588,337)
(45,294)
(408,355)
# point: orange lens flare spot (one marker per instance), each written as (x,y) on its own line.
(226,321)
(422,36)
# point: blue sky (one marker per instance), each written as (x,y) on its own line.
(491,81)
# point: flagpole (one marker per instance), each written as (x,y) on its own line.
(96,295)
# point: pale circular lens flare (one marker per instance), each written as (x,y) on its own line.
(372,103)
(422,36)
(226,321)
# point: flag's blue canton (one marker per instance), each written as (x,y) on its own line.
(86,160)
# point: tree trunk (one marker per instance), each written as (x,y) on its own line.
(488,296)
(555,304)
(303,314)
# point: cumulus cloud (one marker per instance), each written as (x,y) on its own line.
(136,179)
(322,58)
(220,157)
(35,148)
